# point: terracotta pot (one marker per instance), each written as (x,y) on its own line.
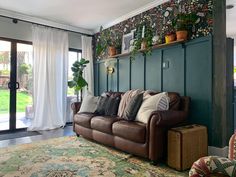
(170,38)
(182,35)
(111,51)
(143,45)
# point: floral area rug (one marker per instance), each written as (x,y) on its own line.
(72,156)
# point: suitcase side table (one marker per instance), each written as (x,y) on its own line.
(185,145)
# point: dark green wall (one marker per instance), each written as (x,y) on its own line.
(184,68)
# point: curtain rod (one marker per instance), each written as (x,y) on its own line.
(46,25)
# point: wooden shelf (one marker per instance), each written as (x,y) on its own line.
(154,47)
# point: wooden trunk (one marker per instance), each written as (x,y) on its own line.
(186,145)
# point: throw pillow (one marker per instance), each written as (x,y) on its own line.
(125,99)
(89,104)
(112,105)
(101,105)
(152,103)
(133,107)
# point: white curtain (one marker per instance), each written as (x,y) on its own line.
(87,53)
(50,55)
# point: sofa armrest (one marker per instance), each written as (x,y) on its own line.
(75,107)
(158,125)
(167,119)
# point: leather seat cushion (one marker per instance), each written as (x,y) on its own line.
(83,119)
(131,130)
(103,123)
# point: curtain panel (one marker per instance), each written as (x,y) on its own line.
(50,55)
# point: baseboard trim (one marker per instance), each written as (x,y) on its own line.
(222,152)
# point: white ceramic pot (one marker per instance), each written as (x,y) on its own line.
(155,40)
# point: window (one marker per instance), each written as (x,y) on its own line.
(74,55)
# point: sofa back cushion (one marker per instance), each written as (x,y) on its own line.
(175,100)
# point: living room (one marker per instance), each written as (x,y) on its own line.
(135,88)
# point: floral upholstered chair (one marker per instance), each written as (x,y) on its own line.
(215,166)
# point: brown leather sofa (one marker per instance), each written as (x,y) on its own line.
(145,140)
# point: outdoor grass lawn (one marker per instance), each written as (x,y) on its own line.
(23,99)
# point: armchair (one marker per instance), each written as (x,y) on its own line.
(215,166)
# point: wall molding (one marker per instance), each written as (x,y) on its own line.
(132,13)
(31,19)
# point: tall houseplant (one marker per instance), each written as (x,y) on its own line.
(78,82)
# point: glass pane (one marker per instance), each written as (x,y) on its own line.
(24,93)
(73,56)
(5,48)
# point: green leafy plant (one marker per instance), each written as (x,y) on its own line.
(184,21)
(138,39)
(105,39)
(78,82)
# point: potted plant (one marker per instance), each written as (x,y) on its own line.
(106,42)
(101,45)
(183,24)
(170,37)
(143,38)
(78,82)
(111,45)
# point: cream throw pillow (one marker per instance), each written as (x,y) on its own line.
(89,104)
(152,103)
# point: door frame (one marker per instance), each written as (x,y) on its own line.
(13,79)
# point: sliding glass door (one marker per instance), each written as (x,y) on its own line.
(5,68)
(15,84)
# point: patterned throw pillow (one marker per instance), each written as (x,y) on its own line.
(133,106)
(206,166)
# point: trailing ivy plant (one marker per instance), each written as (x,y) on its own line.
(148,35)
(78,82)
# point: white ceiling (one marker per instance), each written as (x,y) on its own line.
(89,14)
(231,18)
(86,14)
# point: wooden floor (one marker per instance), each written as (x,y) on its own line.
(66,131)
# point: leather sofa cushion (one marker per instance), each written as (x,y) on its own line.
(134,131)
(103,123)
(83,119)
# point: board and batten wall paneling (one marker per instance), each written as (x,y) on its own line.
(153,71)
(184,68)
(102,78)
(112,78)
(173,69)
(199,81)
(137,72)
(124,74)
